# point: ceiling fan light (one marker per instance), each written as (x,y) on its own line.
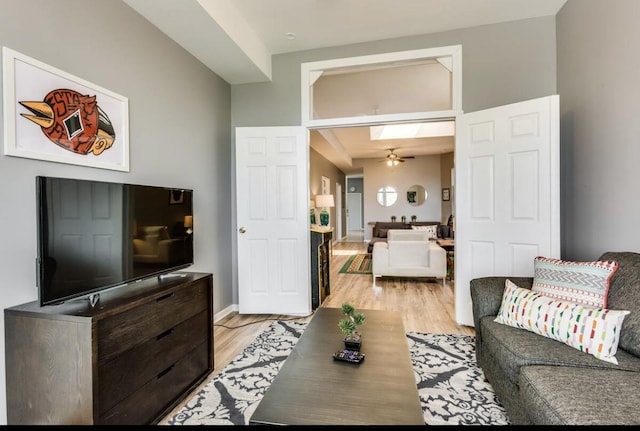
(390,162)
(395,162)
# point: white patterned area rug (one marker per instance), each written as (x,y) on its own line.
(451,386)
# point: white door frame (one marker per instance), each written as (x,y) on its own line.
(338,236)
(312,71)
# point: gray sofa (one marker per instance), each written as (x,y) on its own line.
(546,382)
(380,229)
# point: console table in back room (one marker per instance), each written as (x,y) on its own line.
(320,265)
(312,388)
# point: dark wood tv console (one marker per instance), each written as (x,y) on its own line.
(129,360)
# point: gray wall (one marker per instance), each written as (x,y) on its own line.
(319,167)
(179,113)
(446,164)
(502,63)
(598,70)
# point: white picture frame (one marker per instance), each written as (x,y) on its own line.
(88,126)
(326,186)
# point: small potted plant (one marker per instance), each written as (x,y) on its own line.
(393,219)
(348,326)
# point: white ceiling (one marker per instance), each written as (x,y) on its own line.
(237,38)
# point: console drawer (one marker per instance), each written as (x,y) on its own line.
(120,377)
(141,406)
(121,332)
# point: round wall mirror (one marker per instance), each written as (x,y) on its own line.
(387,196)
(416,195)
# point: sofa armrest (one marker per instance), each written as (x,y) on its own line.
(437,257)
(379,258)
(486,297)
(486,294)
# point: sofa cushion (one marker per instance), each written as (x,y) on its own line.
(581,282)
(408,254)
(514,348)
(431,229)
(549,396)
(387,225)
(591,330)
(408,235)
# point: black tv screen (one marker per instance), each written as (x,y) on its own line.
(95,235)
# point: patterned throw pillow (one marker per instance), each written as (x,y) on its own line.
(432,229)
(584,283)
(595,331)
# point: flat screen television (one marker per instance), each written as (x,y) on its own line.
(95,235)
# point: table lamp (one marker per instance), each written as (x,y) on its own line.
(188,224)
(324,202)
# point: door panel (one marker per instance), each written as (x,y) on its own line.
(273,225)
(354,211)
(507,193)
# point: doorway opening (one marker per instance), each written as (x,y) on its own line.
(343,100)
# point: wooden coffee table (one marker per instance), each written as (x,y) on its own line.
(312,388)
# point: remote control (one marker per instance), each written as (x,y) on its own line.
(347,355)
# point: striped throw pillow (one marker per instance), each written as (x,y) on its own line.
(592,330)
(584,283)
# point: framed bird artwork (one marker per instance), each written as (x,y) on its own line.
(52,115)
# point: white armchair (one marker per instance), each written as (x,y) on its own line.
(408,253)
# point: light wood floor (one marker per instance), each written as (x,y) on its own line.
(426,306)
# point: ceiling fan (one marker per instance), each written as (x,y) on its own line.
(393,159)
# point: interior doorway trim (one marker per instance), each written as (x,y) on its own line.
(311,71)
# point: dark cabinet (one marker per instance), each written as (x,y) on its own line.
(320,269)
(129,360)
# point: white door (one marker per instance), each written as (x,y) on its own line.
(507,193)
(354,211)
(273,220)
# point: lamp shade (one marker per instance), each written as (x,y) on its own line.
(188,221)
(324,201)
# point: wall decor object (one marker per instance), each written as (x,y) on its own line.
(176,197)
(52,115)
(326,186)
(446,194)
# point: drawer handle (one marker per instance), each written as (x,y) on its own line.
(165,371)
(164,334)
(168,295)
